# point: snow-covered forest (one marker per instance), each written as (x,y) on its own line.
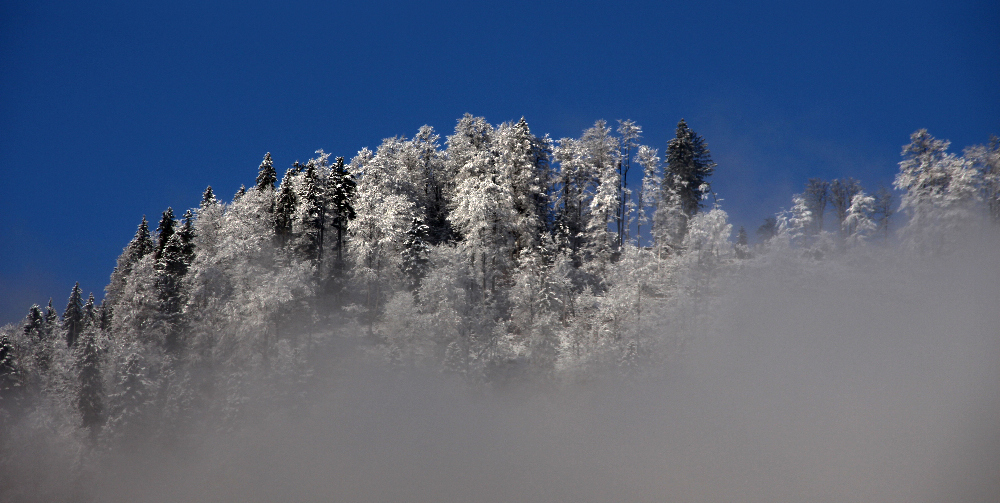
(495,257)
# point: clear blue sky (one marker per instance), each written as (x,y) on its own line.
(112,110)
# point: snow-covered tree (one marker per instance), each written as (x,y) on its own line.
(266,175)
(689,164)
(941,191)
(649,196)
(860,221)
(73,315)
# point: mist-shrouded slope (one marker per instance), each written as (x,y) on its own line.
(871,382)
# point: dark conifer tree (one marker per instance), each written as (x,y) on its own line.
(284,209)
(841,193)
(342,188)
(169,285)
(313,200)
(768,229)
(415,250)
(34,324)
(208,197)
(817,194)
(266,175)
(689,164)
(883,211)
(89,312)
(140,246)
(73,315)
(51,319)
(239,193)
(35,334)
(90,395)
(11,378)
(186,234)
(164,231)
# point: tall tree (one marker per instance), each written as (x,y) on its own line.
(629,132)
(73,315)
(883,211)
(163,232)
(266,175)
(817,195)
(841,193)
(342,189)
(313,196)
(91,389)
(689,164)
(284,208)
(649,195)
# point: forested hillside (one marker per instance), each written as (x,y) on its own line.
(494,255)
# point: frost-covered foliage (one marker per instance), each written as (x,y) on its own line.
(500,257)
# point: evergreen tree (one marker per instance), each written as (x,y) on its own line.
(883,211)
(171,269)
(73,315)
(164,231)
(140,246)
(266,175)
(11,378)
(51,319)
(91,389)
(415,250)
(89,312)
(841,193)
(689,164)
(208,197)
(313,211)
(284,209)
(342,189)
(186,235)
(34,324)
(768,229)
(35,333)
(817,194)
(239,193)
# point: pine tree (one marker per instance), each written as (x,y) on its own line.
(51,319)
(239,193)
(841,193)
(73,315)
(266,175)
(313,211)
(36,335)
(342,189)
(91,390)
(689,164)
(208,197)
(817,194)
(768,229)
(164,231)
(171,269)
(89,312)
(11,374)
(186,235)
(883,211)
(284,208)
(415,250)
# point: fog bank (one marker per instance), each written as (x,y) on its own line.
(870,383)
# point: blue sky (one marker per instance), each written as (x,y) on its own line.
(112,110)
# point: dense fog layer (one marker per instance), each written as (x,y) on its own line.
(875,382)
